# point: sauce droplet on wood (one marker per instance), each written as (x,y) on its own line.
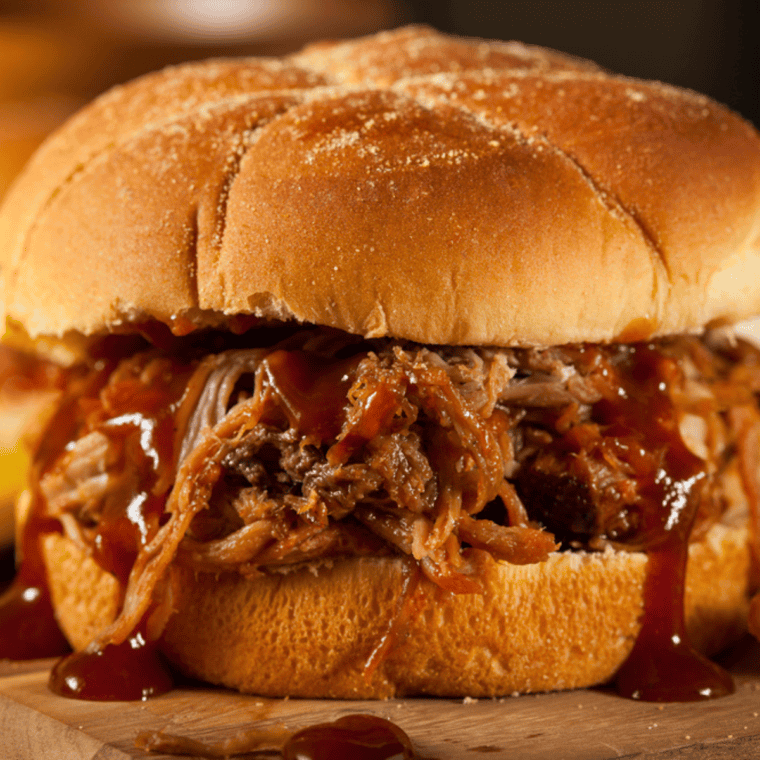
(663,666)
(28,628)
(353,737)
(128,671)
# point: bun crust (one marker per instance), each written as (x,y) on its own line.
(566,623)
(407,184)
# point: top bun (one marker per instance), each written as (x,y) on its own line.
(407,184)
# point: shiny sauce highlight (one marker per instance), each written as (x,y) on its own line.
(353,737)
(28,628)
(132,670)
(138,419)
(311,394)
(663,666)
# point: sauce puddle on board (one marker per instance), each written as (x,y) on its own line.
(352,737)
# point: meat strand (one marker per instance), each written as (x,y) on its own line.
(286,455)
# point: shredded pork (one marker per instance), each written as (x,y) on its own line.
(446,456)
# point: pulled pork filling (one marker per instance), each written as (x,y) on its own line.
(321,446)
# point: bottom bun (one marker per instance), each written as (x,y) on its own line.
(566,623)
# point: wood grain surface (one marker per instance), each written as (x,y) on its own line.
(582,725)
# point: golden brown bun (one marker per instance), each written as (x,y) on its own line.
(406,184)
(566,623)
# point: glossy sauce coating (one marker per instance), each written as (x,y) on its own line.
(28,629)
(663,666)
(311,393)
(353,737)
(138,419)
(137,415)
(129,671)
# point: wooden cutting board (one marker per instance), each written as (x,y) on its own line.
(584,725)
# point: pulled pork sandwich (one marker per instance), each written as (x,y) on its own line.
(396,366)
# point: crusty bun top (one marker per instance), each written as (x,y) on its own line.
(406,184)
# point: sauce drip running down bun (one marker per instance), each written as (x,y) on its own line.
(397,366)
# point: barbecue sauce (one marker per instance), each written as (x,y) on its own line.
(28,629)
(353,737)
(310,390)
(128,671)
(139,419)
(663,666)
(140,422)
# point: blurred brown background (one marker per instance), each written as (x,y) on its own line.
(55,55)
(708,45)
